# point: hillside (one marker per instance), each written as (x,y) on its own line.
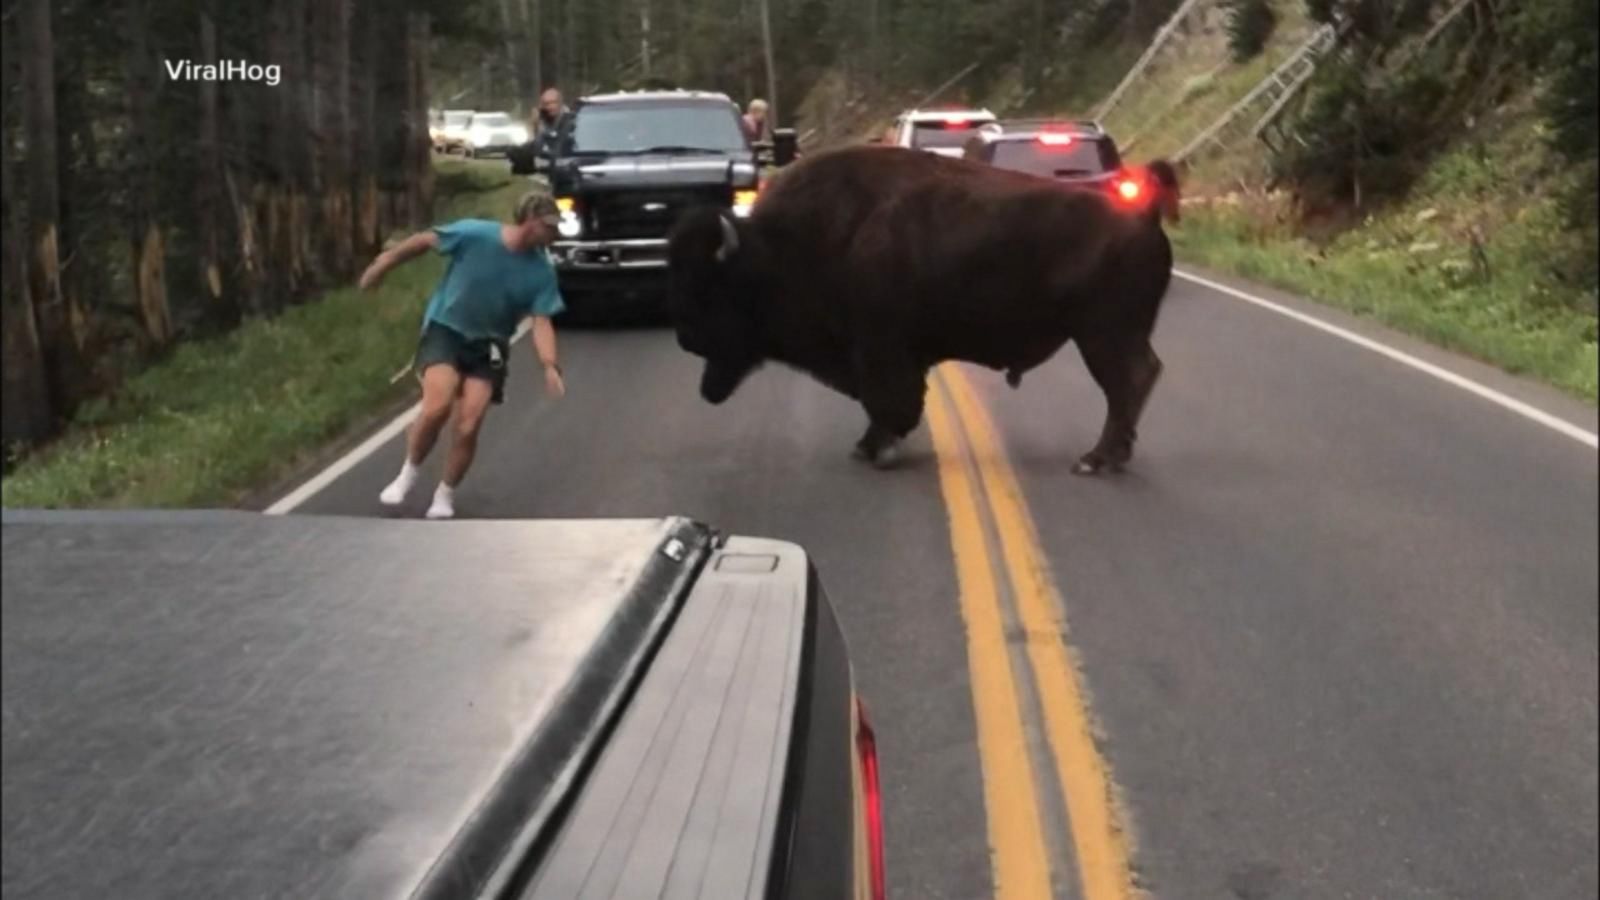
(1471,249)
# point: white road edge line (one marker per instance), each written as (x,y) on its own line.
(1554,423)
(314,485)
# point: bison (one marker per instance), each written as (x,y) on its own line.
(865,267)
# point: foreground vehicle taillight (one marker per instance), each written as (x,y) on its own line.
(1129,190)
(867,749)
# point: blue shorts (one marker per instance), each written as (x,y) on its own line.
(486,359)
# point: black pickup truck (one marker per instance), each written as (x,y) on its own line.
(624,167)
(223,704)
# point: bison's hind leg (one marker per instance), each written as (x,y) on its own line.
(1127,372)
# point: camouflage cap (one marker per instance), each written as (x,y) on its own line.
(537,203)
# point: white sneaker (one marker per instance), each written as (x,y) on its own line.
(444,504)
(395,493)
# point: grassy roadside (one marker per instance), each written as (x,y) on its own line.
(221,417)
(1498,323)
(1475,260)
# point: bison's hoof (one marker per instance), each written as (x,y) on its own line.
(1094,465)
(888,457)
(883,458)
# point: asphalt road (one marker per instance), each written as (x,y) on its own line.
(1336,627)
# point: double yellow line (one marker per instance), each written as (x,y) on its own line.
(979,486)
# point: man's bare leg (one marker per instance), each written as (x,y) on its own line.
(476,393)
(439,385)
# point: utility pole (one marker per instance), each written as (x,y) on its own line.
(644,36)
(772,74)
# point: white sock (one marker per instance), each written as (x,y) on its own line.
(444,502)
(395,493)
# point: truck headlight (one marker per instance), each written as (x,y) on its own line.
(478,136)
(743,202)
(571,226)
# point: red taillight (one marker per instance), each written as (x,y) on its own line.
(957,123)
(867,749)
(1129,190)
(1054,139)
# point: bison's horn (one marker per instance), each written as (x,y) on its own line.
(730,239)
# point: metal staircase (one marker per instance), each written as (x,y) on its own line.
(1272,94)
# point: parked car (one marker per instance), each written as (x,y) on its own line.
(940,131)
(208,704)
(450,135)
(495,133)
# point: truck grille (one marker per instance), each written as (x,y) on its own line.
(645,214)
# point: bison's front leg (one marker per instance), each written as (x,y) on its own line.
(893,396)
(1127,373)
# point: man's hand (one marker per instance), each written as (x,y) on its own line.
(554,384)
(373,275)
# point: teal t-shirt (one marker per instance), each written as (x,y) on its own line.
(487,290)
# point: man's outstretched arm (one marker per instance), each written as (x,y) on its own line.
(544,346)
(410,248)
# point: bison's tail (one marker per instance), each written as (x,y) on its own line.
(1170,195)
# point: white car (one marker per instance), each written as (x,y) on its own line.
(941,131)
(449,131)
(495,132)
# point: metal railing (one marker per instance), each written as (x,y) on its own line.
(1149,54)
(1276,90)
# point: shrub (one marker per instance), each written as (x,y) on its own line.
(1250,25)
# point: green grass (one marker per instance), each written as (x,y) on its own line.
(1506,321)
(223,417)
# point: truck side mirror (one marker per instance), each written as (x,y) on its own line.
(785,146)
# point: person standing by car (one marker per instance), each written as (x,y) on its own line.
(499,275)
(754,120)
(547,123)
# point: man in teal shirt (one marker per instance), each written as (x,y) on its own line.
(499,276)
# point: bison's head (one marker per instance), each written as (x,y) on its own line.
(713,298)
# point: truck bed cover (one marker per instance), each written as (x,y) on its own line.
(217,704)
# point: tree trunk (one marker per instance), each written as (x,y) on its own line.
(299,225)
(337,140)
(874,49)
(368,237)
(26,413)
(533,11)
(419,162)
(513,42)
(277,191)
(58,343)
(146,238)
(208,193)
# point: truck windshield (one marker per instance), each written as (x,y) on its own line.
(638,128)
